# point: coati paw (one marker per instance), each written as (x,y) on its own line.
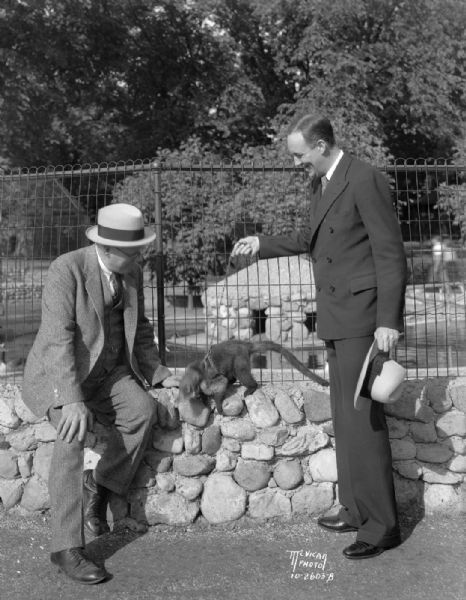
(249,391)
(131,524)
(171,381)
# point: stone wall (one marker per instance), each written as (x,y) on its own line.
(270,454)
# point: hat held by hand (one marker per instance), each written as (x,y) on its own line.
(381,379)
(120,225)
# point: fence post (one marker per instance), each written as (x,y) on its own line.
(159,261)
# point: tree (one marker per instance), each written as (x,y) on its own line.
(452,193)
(389,72)
(96,80)
(205,209)
(194,220)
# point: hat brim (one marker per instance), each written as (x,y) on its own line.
(360,401)
(91,233)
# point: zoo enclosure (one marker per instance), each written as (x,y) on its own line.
(198,211)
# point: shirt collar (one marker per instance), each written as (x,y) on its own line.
(331,171)
(106,271)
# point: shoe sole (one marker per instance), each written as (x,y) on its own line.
(60,570)
(363,557)
(348,529)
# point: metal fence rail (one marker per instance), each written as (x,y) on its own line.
(194,294)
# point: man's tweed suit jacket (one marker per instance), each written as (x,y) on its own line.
(71,335)
(356,249)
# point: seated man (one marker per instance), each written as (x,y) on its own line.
(94,356)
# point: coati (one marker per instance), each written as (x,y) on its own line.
(227,362)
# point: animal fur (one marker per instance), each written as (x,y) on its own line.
(228,362)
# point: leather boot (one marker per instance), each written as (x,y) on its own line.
(95,499)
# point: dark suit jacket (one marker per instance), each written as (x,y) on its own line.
(357,252)
(71,334)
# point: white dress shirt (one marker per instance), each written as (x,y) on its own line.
(334,166)
(106,272)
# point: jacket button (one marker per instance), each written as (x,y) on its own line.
(331,229)
(329,260)
(332,288)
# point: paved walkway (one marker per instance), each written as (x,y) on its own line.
(240,562)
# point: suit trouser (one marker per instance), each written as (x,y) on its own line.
(121,402)
(364,460)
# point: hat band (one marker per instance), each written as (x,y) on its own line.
(120,235)
(374,369)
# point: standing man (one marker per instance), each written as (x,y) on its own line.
(94,356)
(443,260)
(359,266)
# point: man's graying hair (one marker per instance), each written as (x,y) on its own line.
(314,128)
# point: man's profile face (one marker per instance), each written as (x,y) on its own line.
(119,259)
(310,158)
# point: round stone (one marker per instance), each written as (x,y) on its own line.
(252,475)
(288,474)
(223,499)
(191,466)
(211,440)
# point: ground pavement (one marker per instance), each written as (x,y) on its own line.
(243,561)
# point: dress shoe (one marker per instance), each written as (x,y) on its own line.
(362,550)
(95,499)
(335,524)
(75,563)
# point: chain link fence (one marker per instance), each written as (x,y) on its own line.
(194,294)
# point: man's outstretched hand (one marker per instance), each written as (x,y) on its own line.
(248,246)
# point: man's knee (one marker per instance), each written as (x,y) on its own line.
(144,407)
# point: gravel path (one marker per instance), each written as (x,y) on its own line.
(243,561)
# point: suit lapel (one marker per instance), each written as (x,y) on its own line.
(333,191)
(93,282)
(130,299)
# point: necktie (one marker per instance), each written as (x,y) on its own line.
(324,182)
(115,285)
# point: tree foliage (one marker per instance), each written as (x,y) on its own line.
(194,221)
(219,80)
(207,205)
(452,193)
(389,72)
(95,80)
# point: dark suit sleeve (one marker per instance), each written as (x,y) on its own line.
(145,348)
(297,242)
(376,210)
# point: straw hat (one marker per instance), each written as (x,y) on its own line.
(120,225)
(381,379)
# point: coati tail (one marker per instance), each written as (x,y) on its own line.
(268,345)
